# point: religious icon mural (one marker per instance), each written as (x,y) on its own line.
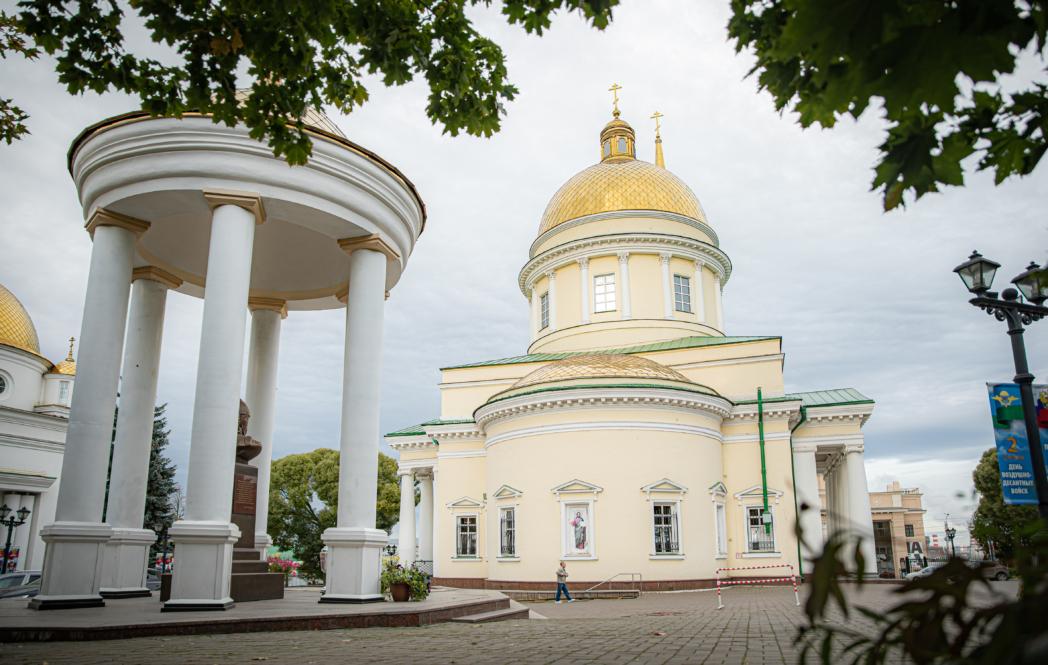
(577,530)
(579,526)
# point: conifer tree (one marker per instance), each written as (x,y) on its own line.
(160,486)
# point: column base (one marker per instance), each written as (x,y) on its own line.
(353,562)
(124,564)
(262,543)
(202,566)
(72,565)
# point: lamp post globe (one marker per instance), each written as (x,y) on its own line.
(4,512)
(977,273)
(1033,283)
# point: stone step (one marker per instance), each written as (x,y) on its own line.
(246,587)
(247,555)
(507,614)
(250,567)
(519,594)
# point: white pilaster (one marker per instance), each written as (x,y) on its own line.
(425,513)
(260,395)
(552,277)
(807,487)
(698,294)
(584,289)
(860,514)
(127,553)
(831,502)
(624,282)
(718,297)
(436,522)
(76,540)
(355,545)
(406,544)
(534,305)
(667,286)
(204,538)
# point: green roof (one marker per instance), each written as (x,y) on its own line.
(682,343)
(416,430)
(836,397)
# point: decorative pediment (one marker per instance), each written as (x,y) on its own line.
(465,503)
(577,487)
(757,492)
(664,485)
(507,492)
(718,492)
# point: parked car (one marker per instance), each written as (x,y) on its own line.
(27,590)
(923,572)
(10,580)
(991,570)
(153,579)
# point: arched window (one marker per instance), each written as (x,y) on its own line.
(622,145)
(607,148)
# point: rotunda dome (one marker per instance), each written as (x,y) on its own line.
(67,366)
(601,366)
(16,328)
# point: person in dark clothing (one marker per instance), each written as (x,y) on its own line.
(562,580)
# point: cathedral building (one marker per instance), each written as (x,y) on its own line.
(628,438)
(34,413)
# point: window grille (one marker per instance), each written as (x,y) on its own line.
(666,532)
(682,293)
(604,293)
(722,531)
(544,310)
(508,532)
(909,531)
(760,540)
(466,536)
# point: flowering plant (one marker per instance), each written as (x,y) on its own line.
(278,564)
(394,573)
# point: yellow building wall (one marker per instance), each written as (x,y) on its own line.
(683,268)
(460,477)
(646,286)
(710,284)
(456,402)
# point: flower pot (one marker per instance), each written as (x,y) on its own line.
(400,592)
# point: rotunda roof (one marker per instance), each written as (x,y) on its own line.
(600,366)
(621,185)
(16,328)
(67,366)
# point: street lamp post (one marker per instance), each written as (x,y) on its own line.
(950,533)
(15,521)
(977,274)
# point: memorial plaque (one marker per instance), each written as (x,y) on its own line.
(245,490)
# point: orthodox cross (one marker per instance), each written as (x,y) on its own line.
(656,119)
(615,87)
(71,341)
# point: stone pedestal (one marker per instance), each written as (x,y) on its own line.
(356,554)
(72,565)
(126,559)
(250,578)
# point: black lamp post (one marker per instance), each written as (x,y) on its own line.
(11,523)
(950,533)
(977,274)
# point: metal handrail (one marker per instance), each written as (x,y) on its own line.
(633,579)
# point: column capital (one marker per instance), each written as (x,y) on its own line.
(664,259)
(699,263)
(387,295)
(624,257)
(342,295)
(854,448)
(584,262)
(805,449)
(250,201)
(551,275)
(155,274)
(273,304)
(103,217)
(373,242)
(405,472)
(424,474)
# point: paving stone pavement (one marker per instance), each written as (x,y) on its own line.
(756,627)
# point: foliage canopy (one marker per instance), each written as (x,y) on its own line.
(992,519)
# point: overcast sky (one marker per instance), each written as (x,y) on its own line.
(861,298)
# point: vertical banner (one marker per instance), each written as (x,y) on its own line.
(1013,444)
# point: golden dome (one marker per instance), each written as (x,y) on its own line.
(600,366)
(621,183)
(16,328)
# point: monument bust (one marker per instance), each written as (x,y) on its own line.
(247,448)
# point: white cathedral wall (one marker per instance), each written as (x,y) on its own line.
(23,373)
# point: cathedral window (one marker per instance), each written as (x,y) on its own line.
(508,532)
(667,532)
(63,392)
(604,293)
(607,148)
(720,519)
(682,293)
(466,536)
(544,311)
(622,146)
(758,537)
(3,385)
(909,531)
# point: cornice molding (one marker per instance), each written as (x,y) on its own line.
(456,432)
(250,201)
(731,361)
(831,416)
(604,426)
(616,244)
(373,242)
(154,274)
(411,443)
(13,480)
(624,214)
(103,217)
(271,304)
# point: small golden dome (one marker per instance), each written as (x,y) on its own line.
(67,366)
(601,366)
(16,328)
(621,184)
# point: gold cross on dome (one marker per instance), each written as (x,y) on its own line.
(656,119)
(615,87)
(71,341)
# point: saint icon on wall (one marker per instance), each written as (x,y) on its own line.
(578,523)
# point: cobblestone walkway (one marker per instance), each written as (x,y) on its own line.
(756,627)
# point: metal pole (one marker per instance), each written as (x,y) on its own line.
(1033,434)
(764,468)
(7,545)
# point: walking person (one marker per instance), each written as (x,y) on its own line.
(562,583)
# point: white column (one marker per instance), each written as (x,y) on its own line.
(807,488)
(406,544)
(204,538)
(831,502)
(624,288)
(718,294)
(698,293)
(22,533)
(533,305)
(127,552)
(436,522)
(860,515)
(552,277)
(584,289)
(76,539)
(667,286)
(425,516)
(355,545)
(261,395)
